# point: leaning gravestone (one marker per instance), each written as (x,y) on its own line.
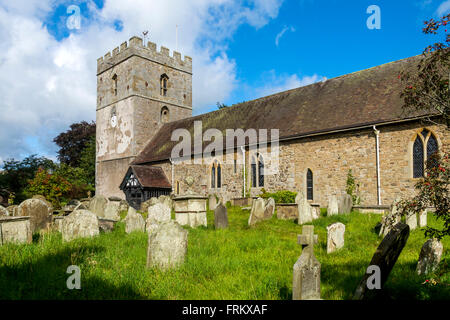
(411,220)
(39,212)
(345,204)
(385,258)
(257,213)
(335,236)
(79,224)
(423,219)
(3,212)
(167,246)
(306,276)
(269,208)
(220,217)
(97,205)
(304,209)
(333,206)
(157,214)
(212,201)
(134,221)
(430,256)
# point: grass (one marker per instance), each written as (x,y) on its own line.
(240,262)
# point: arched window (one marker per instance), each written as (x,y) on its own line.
(213,176)
(114,78)
(309,185)
(260,171)
(425,146)
(164,80)
(418,158)
(253,165)
(164,114)
(216,175)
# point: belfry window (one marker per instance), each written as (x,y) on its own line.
(164,80)
(114,78)
(164,114)
(424,147)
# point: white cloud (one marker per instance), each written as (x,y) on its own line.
(47,84)
(281,33)
(278,83)
(444,8)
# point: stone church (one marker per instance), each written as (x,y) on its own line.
(355,121)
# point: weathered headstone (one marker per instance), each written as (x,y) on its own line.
(157,214)
(48,203)
(112,210)
(79,224)
(167,246)
(39,212)
(411,220)
(306,276)
(220,217)
(148,203)
(3,212)
(304,209)
(97,205)
(13,210)
(385,258)
(335,236)
(257,212)
(423,219)
(134,221)
(212,201)
(15,230)
(105,224)
(389,220)
(269,208)
(430,256)
(345,204)
(166,200)
(333,206)
(123,205)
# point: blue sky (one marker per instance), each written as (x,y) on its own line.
(241,50)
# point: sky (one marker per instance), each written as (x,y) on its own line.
(241,50)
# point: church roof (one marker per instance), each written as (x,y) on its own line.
(148,177)
(351,101)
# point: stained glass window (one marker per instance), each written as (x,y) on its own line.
(432,148)
(418,159)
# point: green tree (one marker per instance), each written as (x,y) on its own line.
(352,188)
(73,141)
(87,161)
(221,105)
(16,174)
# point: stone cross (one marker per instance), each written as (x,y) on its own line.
(306,277)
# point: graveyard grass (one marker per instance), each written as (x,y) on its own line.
(240,262)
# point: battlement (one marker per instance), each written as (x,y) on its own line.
(135,47)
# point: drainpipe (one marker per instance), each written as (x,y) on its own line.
(171,161)
(377,135)
(243,157)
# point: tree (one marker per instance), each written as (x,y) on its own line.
(73,141)
(428,88)
(221,105)
(87,161)
(433,191)
(16,174)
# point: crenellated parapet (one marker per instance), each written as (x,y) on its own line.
(135,47)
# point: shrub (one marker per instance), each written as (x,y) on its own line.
(352,188)
(283,196)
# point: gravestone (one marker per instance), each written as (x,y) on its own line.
(212,202)
(333,206)
(423,219)
(3,212)
(15,230)
(97,205)
(306,276)
(385,258)
(105,224)
(166,200)
(389,220)
(48,203)
(167,246)
(269,208)
(220,217)
(430,256)
(79,224)
(335,236)
(39,212)
(71,205)
(257,213)
(123,205)
(134,221)
(345,204)
(13,210)
(304,209)
(157,214)
(411,220)
(191,210)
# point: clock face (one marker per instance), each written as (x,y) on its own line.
(113,121)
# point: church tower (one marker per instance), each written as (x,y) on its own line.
(138,90)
